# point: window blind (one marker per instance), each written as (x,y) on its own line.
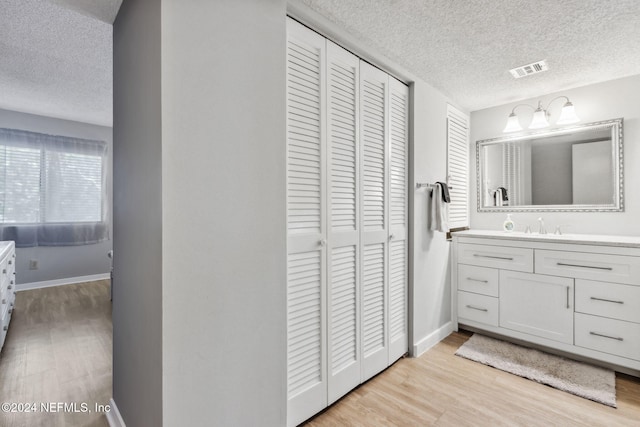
(52,189)
(458,166)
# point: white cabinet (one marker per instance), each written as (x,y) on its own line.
(577,295)
(537,304)
(347,221)
(7,286)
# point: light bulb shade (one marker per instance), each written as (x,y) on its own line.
(513,124)
(568,115)
(539,119)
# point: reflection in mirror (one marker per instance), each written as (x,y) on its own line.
(573,169)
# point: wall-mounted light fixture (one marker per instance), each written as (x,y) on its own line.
(539,120)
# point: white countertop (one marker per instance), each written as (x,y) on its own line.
(581,239)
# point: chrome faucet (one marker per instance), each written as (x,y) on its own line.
(542,229)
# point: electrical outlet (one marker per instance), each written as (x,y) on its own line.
(33,264)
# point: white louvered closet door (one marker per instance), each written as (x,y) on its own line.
(398,218)
(374,234)
(306,224)
(343,326)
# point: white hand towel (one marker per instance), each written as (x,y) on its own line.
(438,218)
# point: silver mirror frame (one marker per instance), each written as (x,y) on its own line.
(616,126)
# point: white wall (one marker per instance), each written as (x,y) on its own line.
(602,101)
(138,231)
(224,218)
(69,261)
(429,250)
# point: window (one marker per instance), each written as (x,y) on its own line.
(458,166)
(52,189)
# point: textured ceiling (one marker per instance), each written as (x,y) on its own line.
(56,55)
(465,48)
(56,58)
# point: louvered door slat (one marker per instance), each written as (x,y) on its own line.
(458,166)
(373,327)
(397,290)
(374,142)
(306,224)
(343,303)
(398,217)
(373,136)
(344,221)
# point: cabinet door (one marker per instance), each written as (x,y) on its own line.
(398,218)
(374,236)
(538,305)
(343,275)
(306,224)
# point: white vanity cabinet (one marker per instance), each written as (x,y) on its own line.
(578,295)
(7,286)
(537,305)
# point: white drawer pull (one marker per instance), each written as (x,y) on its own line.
(607,300)
(585,266)
(494,257)
(568,290)
(477,280)
(606,336)
(476,308)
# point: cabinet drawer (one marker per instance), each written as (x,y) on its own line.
(507,258)
(608,335)
(479,308)
(608,299)
(479,280)
(590,266)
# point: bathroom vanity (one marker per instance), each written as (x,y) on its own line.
(578,295)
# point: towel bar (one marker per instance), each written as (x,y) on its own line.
(428,185)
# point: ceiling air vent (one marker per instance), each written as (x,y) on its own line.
(527,70)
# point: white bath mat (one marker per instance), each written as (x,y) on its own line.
(584,380)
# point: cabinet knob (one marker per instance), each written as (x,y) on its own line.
(391,236)
(10,287)
(323,243)
(5,327)
(10,262)
(4,300)
(4,271)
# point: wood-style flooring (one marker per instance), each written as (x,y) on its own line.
(58,349)
(441,389)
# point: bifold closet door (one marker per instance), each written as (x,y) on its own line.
(398,218)
(374,92)
(306,224)
(343,275)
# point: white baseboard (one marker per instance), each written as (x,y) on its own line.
(60,282)
(113,416)
(432,339)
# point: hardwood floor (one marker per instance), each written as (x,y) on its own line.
(441,389)
(58,349)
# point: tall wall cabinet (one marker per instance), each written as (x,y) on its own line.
(347,221)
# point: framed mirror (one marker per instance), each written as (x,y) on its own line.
(577,168)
